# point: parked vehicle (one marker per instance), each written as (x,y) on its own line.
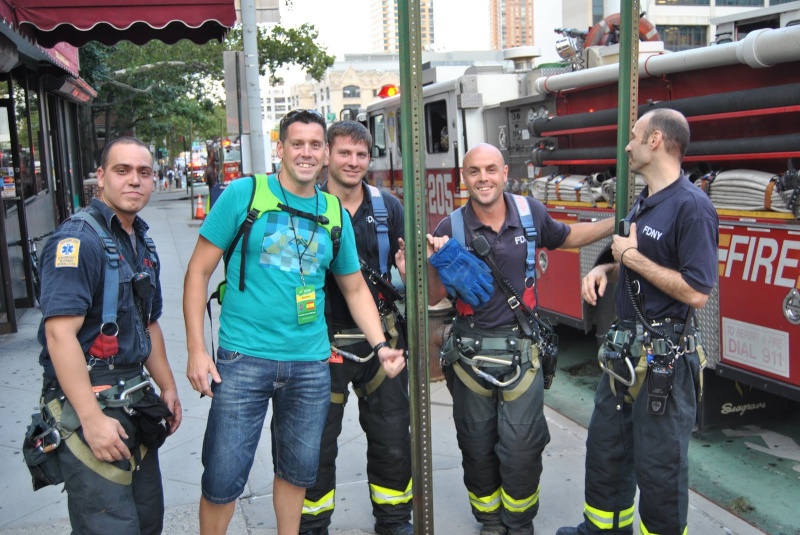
(556,127)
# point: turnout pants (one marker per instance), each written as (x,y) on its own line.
(384,415)
(627,445)
(502,433)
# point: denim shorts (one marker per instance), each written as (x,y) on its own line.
(300,392)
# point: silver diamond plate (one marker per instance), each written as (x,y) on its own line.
(708,318)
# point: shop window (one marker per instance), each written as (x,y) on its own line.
(26,110)
(436,133)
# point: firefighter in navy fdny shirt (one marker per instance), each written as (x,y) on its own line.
(643,417)
(492,365)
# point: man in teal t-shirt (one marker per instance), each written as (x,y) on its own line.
(273,337)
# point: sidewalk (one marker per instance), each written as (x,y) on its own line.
(23,512)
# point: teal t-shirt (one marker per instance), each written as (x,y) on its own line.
(263,321)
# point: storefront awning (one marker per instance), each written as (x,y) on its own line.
(109,21)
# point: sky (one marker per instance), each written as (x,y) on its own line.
(344,27)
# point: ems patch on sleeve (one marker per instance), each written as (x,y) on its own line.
(67,253)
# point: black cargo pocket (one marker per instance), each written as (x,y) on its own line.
(39,449)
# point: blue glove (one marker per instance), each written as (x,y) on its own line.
(463,274)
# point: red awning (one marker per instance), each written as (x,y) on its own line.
(109,21)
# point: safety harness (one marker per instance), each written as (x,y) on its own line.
(393,322)
(58,420)
(643,348)
(105,346)
(545,341)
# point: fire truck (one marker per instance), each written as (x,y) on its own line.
(556,127)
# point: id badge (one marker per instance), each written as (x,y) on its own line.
(306,304)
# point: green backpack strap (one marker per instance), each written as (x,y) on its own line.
(263,200)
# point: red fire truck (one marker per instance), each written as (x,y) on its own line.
(556,126)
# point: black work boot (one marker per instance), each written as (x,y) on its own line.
(404,528)
(524,530)
(493,528)
(568,530)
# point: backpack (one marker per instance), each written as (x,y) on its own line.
(263,200)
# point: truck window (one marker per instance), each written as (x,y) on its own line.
(436,135)
(377,127)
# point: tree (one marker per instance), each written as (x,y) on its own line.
(159,92)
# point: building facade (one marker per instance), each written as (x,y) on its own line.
(512,23)
(384,23)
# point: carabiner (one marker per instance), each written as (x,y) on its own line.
(493,380)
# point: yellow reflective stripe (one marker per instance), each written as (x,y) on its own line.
(486,504)
(389,496)
(644,531)
(519,506)
(323,504)
(626,517)
(605,519)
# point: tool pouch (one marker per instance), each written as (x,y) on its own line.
(549,358)
(450,351)
(39,451)
(151,416)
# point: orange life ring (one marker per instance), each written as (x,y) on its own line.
(602,31)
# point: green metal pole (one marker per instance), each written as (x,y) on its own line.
(416,261)
(627,110)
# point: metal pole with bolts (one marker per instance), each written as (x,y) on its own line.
(416,261)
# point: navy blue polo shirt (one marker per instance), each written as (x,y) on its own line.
(677,228)
(365,229)
(509,249)
(72,268)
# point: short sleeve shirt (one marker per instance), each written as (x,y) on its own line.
(677,228)
(72,268)
(262,321)
(509,249)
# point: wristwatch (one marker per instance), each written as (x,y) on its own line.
(379,346)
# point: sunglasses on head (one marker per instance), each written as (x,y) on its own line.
(296,113)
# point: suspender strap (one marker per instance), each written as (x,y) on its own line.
(524,210)
(111,279)
(381,215)
(457,224)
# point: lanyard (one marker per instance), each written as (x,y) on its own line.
(294,230)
